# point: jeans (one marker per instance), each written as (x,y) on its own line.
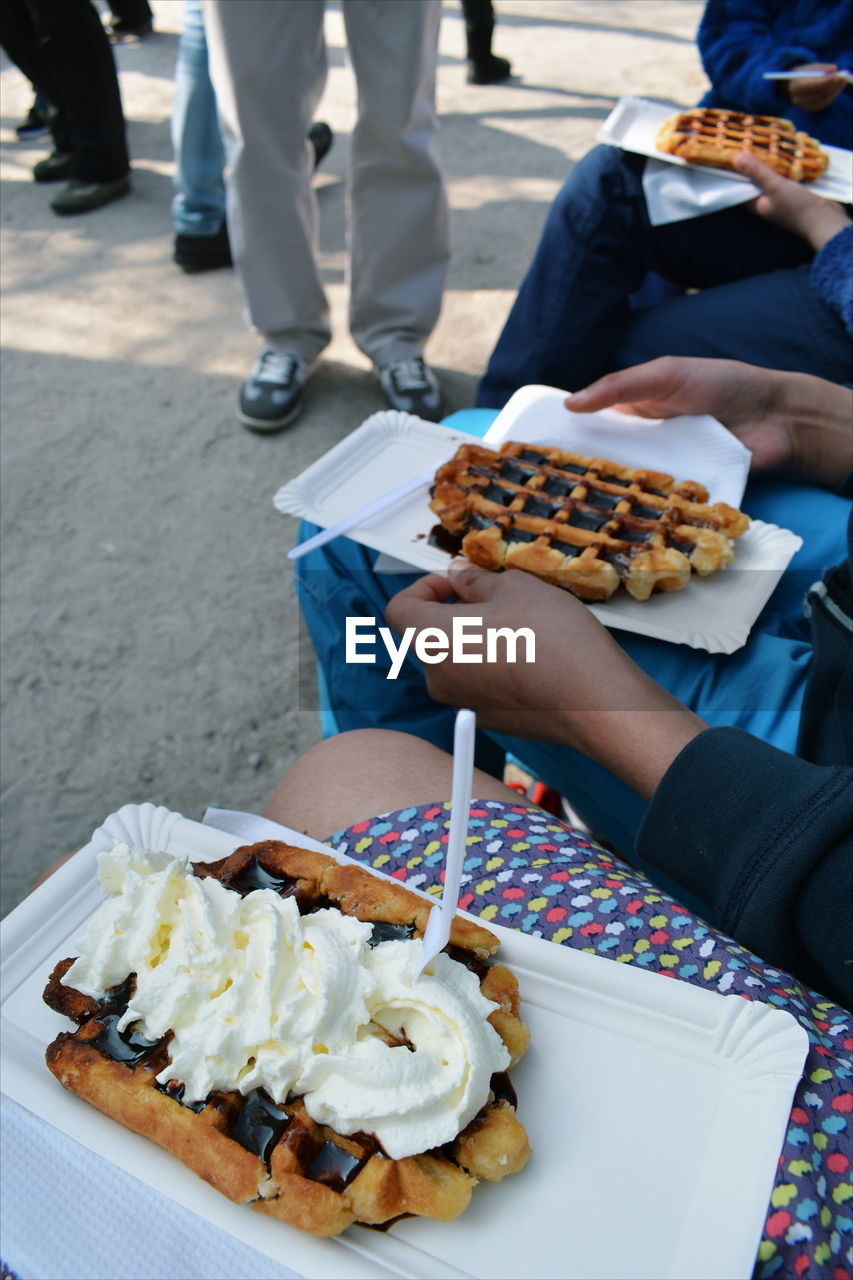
(759,688)
(198,208)
(572,320)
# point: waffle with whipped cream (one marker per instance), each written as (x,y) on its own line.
(585,524)
(713,136)
(256,1017)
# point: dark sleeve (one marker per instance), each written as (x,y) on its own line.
(831,275)
(767,840)
(737,45)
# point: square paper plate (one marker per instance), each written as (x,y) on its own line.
(656,1110)
(634,122)
(716,613)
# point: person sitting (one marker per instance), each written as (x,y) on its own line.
(769,295)
(798,429)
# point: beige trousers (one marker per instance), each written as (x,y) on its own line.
(268,63)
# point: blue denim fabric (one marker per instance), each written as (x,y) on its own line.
(198,208)
(573,318)
(759,688)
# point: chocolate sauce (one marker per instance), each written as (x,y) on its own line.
(122,1046)
(603,501)
(260,1125)
(256,877)
(556,487)
(519,535)
(630,533)
(618,559)
(686,548)
(175,1089)
(501,1087)
(470,961)
(515,474)
(534,506)
(444,540)
(646,513)
(495,493)
(335,1167)
(385,932)
(583,517)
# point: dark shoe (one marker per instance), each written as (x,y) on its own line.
(203,253)
(321,138)
(489,70)
(80,197)
(35,124)
(119,29)
(272,395)
(54,168)
(412,386)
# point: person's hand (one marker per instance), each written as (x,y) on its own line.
(813,93)
(582,690)
(790,422)
(791,205)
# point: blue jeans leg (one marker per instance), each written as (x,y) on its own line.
(573,310)
(198,207)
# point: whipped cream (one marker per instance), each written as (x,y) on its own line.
(257,996)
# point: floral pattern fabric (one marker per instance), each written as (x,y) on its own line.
(529,871)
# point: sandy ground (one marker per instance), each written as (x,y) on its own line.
(148,612)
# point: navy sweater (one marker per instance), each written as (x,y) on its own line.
(766,837)
(741,39)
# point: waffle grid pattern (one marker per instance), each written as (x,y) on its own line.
(585,524)
(714,136)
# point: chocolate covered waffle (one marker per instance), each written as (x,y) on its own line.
(713,136)
(585,524)
(271,1037)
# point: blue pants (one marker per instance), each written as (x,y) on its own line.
(198,208)
(759,688)
(573,319)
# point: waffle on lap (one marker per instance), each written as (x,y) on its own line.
(274,1156)
(714,136)
(584,524)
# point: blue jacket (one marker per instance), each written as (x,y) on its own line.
(741,39)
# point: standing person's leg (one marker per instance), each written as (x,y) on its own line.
(198,208)
(22,43)
(484,67)
(268,67)
(573,308)
(78,53)
(399,232)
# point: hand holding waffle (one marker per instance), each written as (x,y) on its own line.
(792,206)
(582,691)
(791,422)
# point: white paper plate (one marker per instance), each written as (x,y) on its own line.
(716,613)
(656,1111)
(634,122)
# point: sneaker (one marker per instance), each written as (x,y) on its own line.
(321,138)
(412,386)
(203,253)
(80,197)
(273,394)
(56,167)
(35,124)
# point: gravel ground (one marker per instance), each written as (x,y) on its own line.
(149,623)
